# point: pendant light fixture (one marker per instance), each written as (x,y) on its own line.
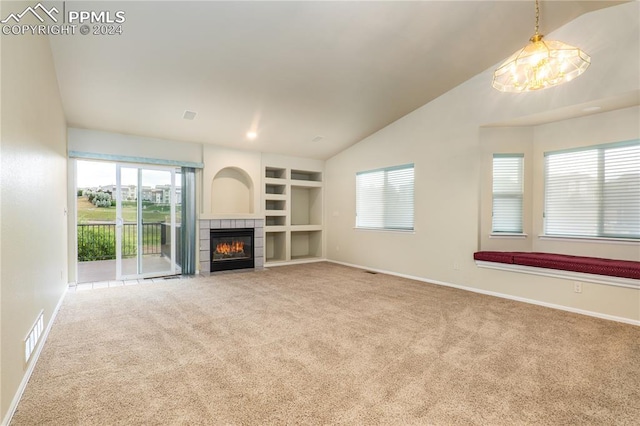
(540,64)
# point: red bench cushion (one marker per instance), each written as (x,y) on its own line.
(587,265)
(565,262)
(494,256)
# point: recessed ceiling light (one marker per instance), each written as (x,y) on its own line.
(189,115)
(592,109)
(252,135)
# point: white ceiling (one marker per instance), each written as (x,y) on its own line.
(290,70)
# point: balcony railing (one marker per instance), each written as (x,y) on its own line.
(98,241)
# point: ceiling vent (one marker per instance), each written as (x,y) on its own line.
(189,115)
(317,139)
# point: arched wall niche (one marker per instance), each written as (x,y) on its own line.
(232,192)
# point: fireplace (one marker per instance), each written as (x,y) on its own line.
(232,249)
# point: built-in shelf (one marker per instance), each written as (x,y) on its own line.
(275,246)
(282,197)
(306,183)
(306,175)
(293,217)
(306,206)
(275,204)
(273,188)
(304,257)
(295,228)
(275,173)
(275,220)
(306,244)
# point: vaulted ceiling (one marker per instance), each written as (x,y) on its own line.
(291,71)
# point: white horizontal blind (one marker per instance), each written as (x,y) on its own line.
(508,189)
(384,198)
(594,192)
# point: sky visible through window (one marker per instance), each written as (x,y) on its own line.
(94,174)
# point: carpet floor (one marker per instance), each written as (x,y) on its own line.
(326,344)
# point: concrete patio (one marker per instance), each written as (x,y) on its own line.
(105,270)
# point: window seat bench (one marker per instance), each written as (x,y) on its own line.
(624,273)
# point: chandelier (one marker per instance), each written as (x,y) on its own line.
(540,64)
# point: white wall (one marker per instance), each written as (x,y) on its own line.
(33,196)
(443,139)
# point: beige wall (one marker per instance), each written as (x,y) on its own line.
(33,196)
(109,143)
(215,160)
(615,126)
(444,140)
(505,140)
(232,192)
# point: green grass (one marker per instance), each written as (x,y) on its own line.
(98,243)
(88,213)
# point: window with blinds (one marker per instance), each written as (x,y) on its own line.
(593,192)
(508,189)
(384,198)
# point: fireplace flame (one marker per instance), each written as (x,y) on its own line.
(230,248)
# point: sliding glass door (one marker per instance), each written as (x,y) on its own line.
(146,221)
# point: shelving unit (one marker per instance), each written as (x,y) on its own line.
(306,244)
(293,214)
(275,206)
(275,246)
(306,206)
(275,173)
(274,189)
(306,176)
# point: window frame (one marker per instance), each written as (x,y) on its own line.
(512,195)
(601,235)
(385,227)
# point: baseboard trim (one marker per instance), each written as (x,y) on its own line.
(496,294)
(32,364)
(557,273)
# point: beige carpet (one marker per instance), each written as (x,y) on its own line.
(327,344)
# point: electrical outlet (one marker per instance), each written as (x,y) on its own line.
(577,287)
(337,248)
(456,266)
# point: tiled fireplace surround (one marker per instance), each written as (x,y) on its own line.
(206,225)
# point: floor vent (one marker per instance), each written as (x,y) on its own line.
(33,337)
